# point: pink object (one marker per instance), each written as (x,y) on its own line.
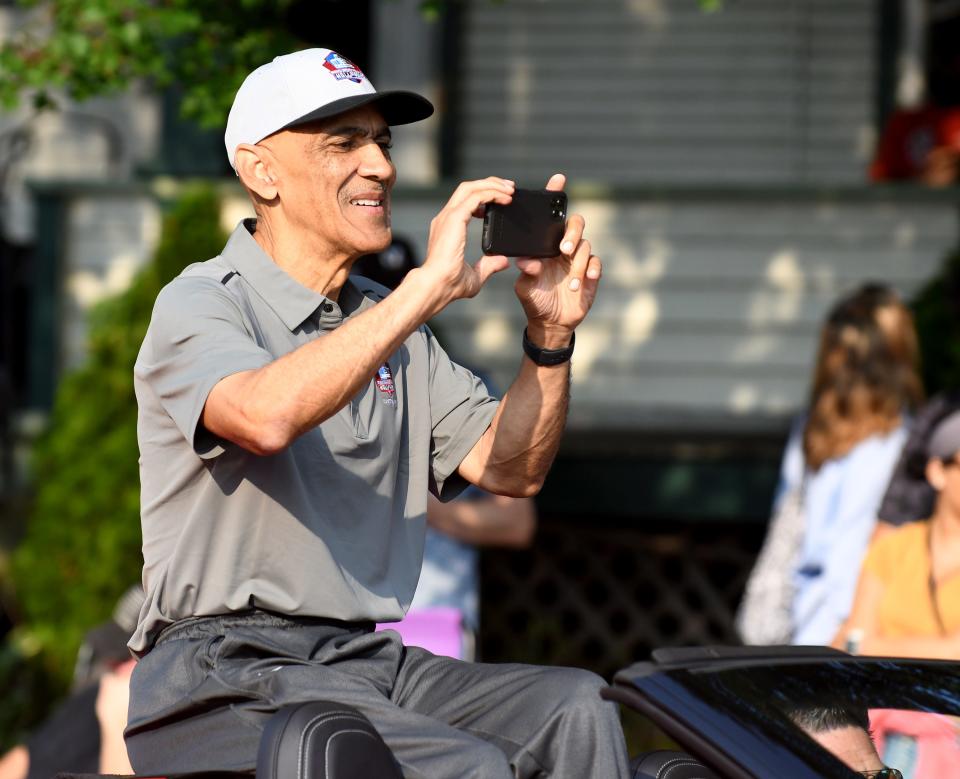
(938,750)
(438,630)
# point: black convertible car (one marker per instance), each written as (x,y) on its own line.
(731,713)
(799,712)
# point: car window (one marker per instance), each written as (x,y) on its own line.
(871,716)
(801,712)
(922,745)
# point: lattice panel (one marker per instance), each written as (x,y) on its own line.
(601,599)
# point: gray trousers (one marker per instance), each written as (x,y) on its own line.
(201,697)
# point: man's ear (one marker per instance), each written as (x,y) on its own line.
(256,170)
(935,473)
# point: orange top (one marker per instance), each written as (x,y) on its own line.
(901,560)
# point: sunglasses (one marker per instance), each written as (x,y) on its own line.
(883,773)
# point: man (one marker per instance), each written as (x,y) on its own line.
(844,731)
(291,424)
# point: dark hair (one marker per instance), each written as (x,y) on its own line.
(866,375)
(909,495)
(926,421)
(820,719)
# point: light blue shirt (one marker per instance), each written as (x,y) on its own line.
(840,512)
(449,577)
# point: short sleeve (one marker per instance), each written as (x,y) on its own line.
(197,336)
(461,410)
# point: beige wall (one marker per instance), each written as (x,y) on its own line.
(641,91)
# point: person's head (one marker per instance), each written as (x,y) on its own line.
(104,647)
(390,266)
(866,374)
(914,496)
(943,468)
(309,138)
(844,731)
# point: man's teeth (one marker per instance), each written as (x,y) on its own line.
(365,202)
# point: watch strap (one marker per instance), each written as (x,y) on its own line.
(547,357)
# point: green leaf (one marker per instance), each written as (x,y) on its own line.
(98,47)
(131,33)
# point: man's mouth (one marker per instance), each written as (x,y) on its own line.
(367,200)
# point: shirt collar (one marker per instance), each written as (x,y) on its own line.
(292,302)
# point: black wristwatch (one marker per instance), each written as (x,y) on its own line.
(547,357)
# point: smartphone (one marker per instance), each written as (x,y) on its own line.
(532,225)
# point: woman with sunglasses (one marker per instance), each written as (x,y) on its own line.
(908,604)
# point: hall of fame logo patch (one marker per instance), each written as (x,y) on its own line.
(341,68)
(385,385)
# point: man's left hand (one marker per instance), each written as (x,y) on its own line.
(556,293)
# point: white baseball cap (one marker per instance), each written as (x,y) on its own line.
(308,85)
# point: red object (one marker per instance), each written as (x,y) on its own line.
(938,751)
(908,139)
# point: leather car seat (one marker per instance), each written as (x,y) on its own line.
(669,764)
(314,740)
(323,740)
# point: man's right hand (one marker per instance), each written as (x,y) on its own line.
(451,276)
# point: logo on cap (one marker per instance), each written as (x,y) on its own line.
(341,68)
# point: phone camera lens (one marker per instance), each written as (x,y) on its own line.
(557,203)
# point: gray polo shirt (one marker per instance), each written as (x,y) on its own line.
(332,526)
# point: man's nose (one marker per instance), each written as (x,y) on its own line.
(375,163)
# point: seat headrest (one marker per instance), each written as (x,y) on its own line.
(323,740)
(669,764)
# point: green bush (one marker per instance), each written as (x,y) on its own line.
(81,549)
(936,308)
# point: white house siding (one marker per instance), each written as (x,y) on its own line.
(108,238)
(101,139)
(710,304)
(640,91)
(708,311)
